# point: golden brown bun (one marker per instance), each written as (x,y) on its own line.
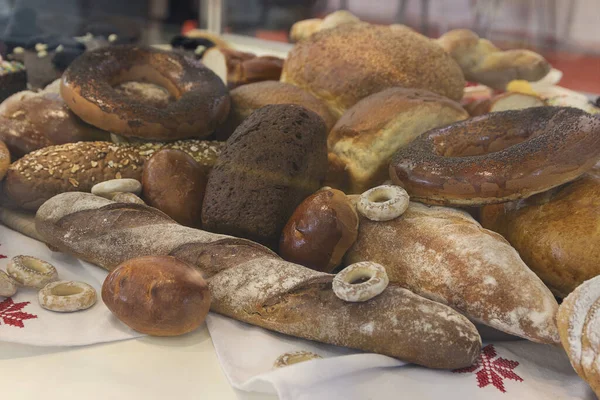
(31,121)
(248,98)
(157,295)
(445,255)
(369,133)
(320,231)
(556,232)
(578,321)
(483,62)
(347,63)
(4,160)
(175,183)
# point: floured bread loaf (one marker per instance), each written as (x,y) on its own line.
(445,255)
(579,328)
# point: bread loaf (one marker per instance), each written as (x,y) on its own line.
(445,255)
(251,284)
(579,323)
(30,121)
(78,166)
(273,161)
(369,133)
(352,61)
(248,98)
(483,62)
(555,232)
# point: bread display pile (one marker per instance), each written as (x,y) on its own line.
(324,204)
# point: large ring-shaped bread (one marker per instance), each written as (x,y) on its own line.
(498,157)
(202,101)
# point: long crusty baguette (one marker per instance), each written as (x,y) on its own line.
(78,166)
(250,283)
(445,255)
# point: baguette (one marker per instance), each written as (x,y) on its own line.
(445,255)
(78,166)
(250,283)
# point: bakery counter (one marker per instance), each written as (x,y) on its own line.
(148,368)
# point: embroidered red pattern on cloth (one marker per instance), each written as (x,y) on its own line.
(11,313)
(491,370)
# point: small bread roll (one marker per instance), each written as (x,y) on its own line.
(157,295)
(321,230)
(175,183)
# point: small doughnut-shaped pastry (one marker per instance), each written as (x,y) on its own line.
(108,189)
(498,157)
(360,281)
(4,160)
(31,272)
(8,287)
(201,99)
(67,296)
(124,197)
(295,357)
(383,203)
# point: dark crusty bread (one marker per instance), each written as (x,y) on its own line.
(273,161)
(251,284)
(248,98)
(78,166)
(352,61)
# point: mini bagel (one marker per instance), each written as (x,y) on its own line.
(31,272)
(88,88)
(67,296)
(108,189)
(4,160)
(8,286)
(383,203)
(347,285)
(499,156)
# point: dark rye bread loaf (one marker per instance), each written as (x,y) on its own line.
(274,160)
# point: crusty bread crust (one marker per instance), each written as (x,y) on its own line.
(445,255)
(250,283)
(347,63)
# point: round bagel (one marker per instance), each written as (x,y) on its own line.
(499,156)
(201,100)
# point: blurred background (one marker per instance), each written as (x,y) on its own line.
(566,32)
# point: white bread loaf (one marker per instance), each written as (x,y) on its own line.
(445,255)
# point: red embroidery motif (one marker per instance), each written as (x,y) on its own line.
(491,370)
(11,314)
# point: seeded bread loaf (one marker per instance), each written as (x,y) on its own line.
(78,166)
